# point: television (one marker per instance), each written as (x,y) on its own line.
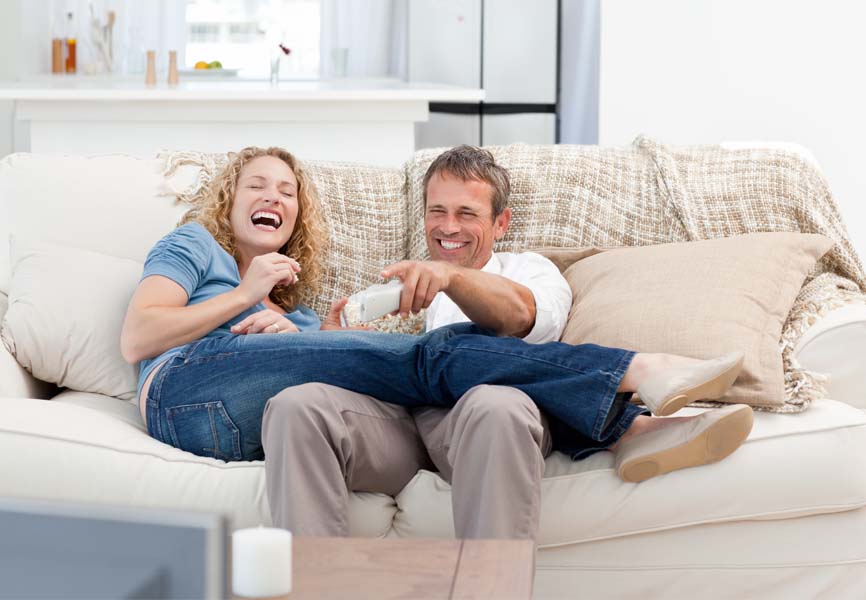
(52,549)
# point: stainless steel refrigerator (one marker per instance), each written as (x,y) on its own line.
(507,47)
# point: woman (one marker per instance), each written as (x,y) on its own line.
(238,267)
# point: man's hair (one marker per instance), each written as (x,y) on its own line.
(468,163)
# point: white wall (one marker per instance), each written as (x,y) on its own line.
(706,71)
(10,55)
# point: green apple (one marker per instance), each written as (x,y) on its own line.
(215,65)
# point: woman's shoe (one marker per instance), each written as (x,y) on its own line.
(670,390)
(704,439)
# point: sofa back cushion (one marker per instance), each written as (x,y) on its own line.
(116,205)
(365,208)
(66,311)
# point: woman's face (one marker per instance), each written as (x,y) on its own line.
(265,206)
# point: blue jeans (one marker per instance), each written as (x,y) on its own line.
(209,400)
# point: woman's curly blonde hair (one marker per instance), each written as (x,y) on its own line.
(308,240)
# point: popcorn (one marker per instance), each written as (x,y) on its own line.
(351,315)
(414,324)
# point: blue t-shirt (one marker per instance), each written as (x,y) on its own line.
(193,259)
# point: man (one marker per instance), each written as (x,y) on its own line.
(321,441)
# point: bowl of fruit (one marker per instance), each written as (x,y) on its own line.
(213,68)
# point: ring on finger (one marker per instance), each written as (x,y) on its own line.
(275,327)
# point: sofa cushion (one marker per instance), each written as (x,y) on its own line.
(66,311)
(117,205)
(92,448)
(15,382)
(791,465)
(366,212)
(700,299)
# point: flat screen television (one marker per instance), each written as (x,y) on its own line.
(51,549)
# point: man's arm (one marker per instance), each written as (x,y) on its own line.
(490,301)
(493,301)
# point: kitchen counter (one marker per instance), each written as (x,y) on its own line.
(370,121)
(233,89)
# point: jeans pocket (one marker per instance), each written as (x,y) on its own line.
(204,429)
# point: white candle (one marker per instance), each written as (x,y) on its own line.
(261,562)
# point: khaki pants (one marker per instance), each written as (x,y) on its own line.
(322,442)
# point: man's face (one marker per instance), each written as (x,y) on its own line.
(459,223)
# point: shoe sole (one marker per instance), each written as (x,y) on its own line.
(714,443)
(708,390)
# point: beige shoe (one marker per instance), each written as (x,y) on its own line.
(700,440)
(670,390)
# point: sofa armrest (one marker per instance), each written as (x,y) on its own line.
(15,381)
(835,345)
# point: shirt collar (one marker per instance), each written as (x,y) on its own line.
(493,265)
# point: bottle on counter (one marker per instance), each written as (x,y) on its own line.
(57,65)
(172,67)
(150,74)
(71,43)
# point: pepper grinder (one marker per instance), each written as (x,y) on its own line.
(172,67)
(150,77)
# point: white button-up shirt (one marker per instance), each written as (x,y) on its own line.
(548,286)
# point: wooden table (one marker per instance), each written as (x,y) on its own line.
(383,569)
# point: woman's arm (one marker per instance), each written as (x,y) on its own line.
(158,317)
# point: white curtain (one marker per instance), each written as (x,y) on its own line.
(140,25)
(158,25)
(363,38)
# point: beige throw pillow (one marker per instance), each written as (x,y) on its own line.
(66,310)
(699,299)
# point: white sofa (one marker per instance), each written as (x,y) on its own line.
(783,517)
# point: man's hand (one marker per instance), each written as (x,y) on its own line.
(422,280)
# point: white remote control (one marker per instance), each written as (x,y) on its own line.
(376,301)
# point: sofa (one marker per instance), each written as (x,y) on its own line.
(783,517)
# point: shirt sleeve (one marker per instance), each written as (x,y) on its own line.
(182,256)
(552,296)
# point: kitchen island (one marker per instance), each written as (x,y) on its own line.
(370,121)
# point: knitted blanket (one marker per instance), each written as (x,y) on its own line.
(712,192)
(578,196)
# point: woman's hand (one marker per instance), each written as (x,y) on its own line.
(333,323)
(265,272)
(264,321)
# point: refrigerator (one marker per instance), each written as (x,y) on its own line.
(510,48)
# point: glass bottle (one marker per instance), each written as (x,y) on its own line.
(172,67)
(71,42)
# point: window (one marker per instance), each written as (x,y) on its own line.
(242,34)
(204,32)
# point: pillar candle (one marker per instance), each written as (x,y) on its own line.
(261,562)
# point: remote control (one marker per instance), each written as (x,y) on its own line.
(376,301)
